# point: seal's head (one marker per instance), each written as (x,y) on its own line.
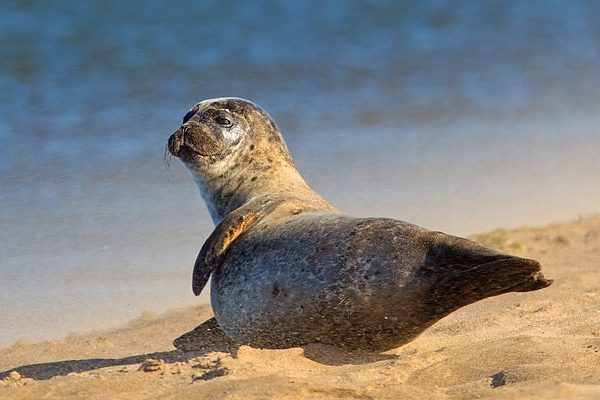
(234,152)
(223,130)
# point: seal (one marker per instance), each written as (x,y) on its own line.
(289,269)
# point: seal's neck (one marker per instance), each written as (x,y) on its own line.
(232,184)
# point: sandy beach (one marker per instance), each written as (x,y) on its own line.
(543,344)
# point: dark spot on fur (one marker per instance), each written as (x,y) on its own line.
(251,147)
(253,178)
(276,289)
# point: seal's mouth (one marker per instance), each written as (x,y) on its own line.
(190,142)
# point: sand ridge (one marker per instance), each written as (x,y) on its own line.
(543,344)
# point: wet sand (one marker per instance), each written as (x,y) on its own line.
(543,344)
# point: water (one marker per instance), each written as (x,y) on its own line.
(457,116)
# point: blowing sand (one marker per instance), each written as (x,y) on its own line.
(543,344)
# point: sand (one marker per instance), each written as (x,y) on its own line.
(543,344)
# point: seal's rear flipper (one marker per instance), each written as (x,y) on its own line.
(511,274)
(479,271)
(537,282)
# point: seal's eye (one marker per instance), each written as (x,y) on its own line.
(223,121)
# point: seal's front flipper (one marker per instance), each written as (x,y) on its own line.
(213,250)
(207,336)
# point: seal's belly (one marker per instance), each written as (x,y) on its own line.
(319,281)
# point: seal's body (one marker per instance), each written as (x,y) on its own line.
(290,269)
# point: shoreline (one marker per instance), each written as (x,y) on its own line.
(544,343)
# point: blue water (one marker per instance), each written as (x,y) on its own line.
(458,116)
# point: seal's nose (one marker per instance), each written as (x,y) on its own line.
(175,142)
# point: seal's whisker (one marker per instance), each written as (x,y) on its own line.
(167,160)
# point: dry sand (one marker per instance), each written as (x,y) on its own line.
(544,344)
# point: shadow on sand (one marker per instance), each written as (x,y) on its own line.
(206,338)
(202,340)
(45,371)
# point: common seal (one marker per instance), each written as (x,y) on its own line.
(289,269)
